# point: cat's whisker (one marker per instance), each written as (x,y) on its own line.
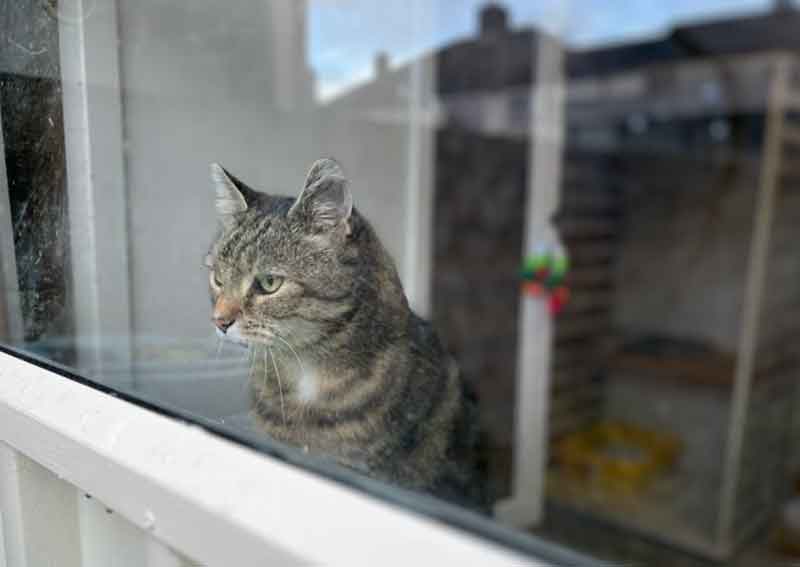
(251,363)
(294,352)
(301,409)
(266,378)
(220,344)
(280,386)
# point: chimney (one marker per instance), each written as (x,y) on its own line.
(493,20)
(381,64)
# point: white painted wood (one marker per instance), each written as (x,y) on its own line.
(11,508)
(208,498)
(89,59)
(159,555)
(535,326)
(106,539)
(10,314)
(3,561)
(39,514)
(754,291)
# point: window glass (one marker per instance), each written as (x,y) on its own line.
(534,261)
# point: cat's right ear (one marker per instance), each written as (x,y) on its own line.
(230,195)
(325,203)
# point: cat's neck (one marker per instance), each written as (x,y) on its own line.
(299,376)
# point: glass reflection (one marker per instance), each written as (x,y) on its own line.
(594,206)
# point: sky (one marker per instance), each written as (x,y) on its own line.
(345,35)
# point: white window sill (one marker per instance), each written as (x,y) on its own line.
(209,498)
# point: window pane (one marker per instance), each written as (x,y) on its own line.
(534,261)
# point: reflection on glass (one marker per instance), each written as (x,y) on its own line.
(594,205)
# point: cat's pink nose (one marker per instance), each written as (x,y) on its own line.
(223,324)
(225,313)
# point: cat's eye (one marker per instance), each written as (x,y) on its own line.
(267,284)
(215,279)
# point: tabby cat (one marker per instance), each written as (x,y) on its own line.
(342,366)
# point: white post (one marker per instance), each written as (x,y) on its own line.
(39,514)
(535,326)
(418,247)
(754,291)
(106,539)
(89,50)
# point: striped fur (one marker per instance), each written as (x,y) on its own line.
(341,366)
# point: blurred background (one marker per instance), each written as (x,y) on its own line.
(596,203)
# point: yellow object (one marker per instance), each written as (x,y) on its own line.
(619,456)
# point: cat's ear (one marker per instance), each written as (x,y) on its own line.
(232,196)
(322,168)
(325,202)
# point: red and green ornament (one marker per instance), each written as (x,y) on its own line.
(543,274)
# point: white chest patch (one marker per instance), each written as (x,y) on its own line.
(308,386)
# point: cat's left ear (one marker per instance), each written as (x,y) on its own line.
(325,202)
(232,196)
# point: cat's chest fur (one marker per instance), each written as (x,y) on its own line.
(307,386)
(286,382)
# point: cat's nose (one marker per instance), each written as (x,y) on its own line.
(223,324)
(225,313)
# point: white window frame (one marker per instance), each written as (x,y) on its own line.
(213,500)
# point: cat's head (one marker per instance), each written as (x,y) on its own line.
(281,268)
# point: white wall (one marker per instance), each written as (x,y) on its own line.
(197,87)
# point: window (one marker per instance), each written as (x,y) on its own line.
(505,264)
